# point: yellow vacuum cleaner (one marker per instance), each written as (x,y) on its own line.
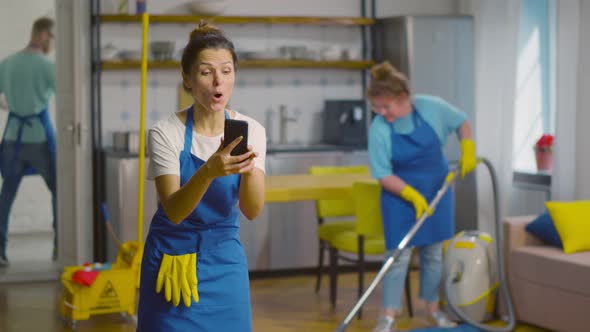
(111,288)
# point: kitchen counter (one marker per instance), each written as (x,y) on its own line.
(310,147)
(270,149)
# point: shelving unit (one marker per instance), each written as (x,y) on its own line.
(364,22)
(270,63)
(249,63)
(181,19)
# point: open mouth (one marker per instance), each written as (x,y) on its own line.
(217,96)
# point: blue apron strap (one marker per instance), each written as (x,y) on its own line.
(24,120)
(188,131)
(227,115)
(49,132)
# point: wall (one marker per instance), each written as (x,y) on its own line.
(385,8)
(583,109)
(573,115)
(496,31)
(17,17)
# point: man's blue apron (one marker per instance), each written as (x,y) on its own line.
(6,165)
(418,159)
(212,231)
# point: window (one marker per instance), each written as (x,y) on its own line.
(534,113)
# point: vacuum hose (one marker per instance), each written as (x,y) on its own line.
(449,279)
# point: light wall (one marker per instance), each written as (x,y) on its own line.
(583,110)
(572,160)
(16,19)
(385,8)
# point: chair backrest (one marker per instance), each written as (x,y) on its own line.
(367,203)
(336,207)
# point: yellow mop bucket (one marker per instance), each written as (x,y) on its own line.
(113,291)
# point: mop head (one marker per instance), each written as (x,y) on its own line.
(459,328)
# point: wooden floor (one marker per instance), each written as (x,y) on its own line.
(278,305)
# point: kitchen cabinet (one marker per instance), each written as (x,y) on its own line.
(121,187)
(356,157)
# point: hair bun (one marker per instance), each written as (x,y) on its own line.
(383,71)
(204,29)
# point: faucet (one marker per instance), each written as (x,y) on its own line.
(284,119)
(269,119)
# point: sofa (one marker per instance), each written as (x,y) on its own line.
(549,288)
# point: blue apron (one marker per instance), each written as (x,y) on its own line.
(26,120)
(418,159)
(212,231)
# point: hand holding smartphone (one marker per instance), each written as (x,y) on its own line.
(232,130)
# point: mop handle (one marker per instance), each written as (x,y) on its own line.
(145,21)
(105,215)
(391,259)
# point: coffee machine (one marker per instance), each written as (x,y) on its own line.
(345,123)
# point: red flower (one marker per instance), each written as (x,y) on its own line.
(546,141)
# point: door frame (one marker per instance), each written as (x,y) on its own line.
(73,118)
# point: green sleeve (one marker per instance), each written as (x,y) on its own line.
(51,76)
(1,77)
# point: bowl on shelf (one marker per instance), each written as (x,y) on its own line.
(128,55)
(162,50)
(207,7)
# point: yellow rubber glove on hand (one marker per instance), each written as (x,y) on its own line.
(178,276)
(420,205)
(468,162)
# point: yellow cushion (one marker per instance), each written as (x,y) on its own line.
(572,221)
(328,230)
(348,241)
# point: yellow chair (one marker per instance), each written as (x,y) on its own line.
(333,209)
(365,239)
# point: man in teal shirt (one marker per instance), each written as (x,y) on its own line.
(27,81)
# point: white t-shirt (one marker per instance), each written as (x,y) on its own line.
(166,141)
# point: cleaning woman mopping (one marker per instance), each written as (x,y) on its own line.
(194,275)
(406,142)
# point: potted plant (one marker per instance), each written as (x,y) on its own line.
(544,152)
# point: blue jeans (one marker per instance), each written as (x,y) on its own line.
(430,275)
(37,156)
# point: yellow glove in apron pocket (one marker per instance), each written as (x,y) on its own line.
(178,276)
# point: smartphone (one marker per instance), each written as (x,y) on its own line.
(232,130)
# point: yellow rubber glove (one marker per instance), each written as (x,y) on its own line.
(192,278)
(178,276)
(420,205)
(468,162)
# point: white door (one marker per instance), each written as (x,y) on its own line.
(74,151)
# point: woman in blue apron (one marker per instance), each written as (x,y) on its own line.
(406,142)
(194,275)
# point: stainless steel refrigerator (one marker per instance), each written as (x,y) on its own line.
(437,54)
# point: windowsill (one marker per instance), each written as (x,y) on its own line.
(532,180)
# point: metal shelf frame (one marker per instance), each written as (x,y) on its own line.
(98,171)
